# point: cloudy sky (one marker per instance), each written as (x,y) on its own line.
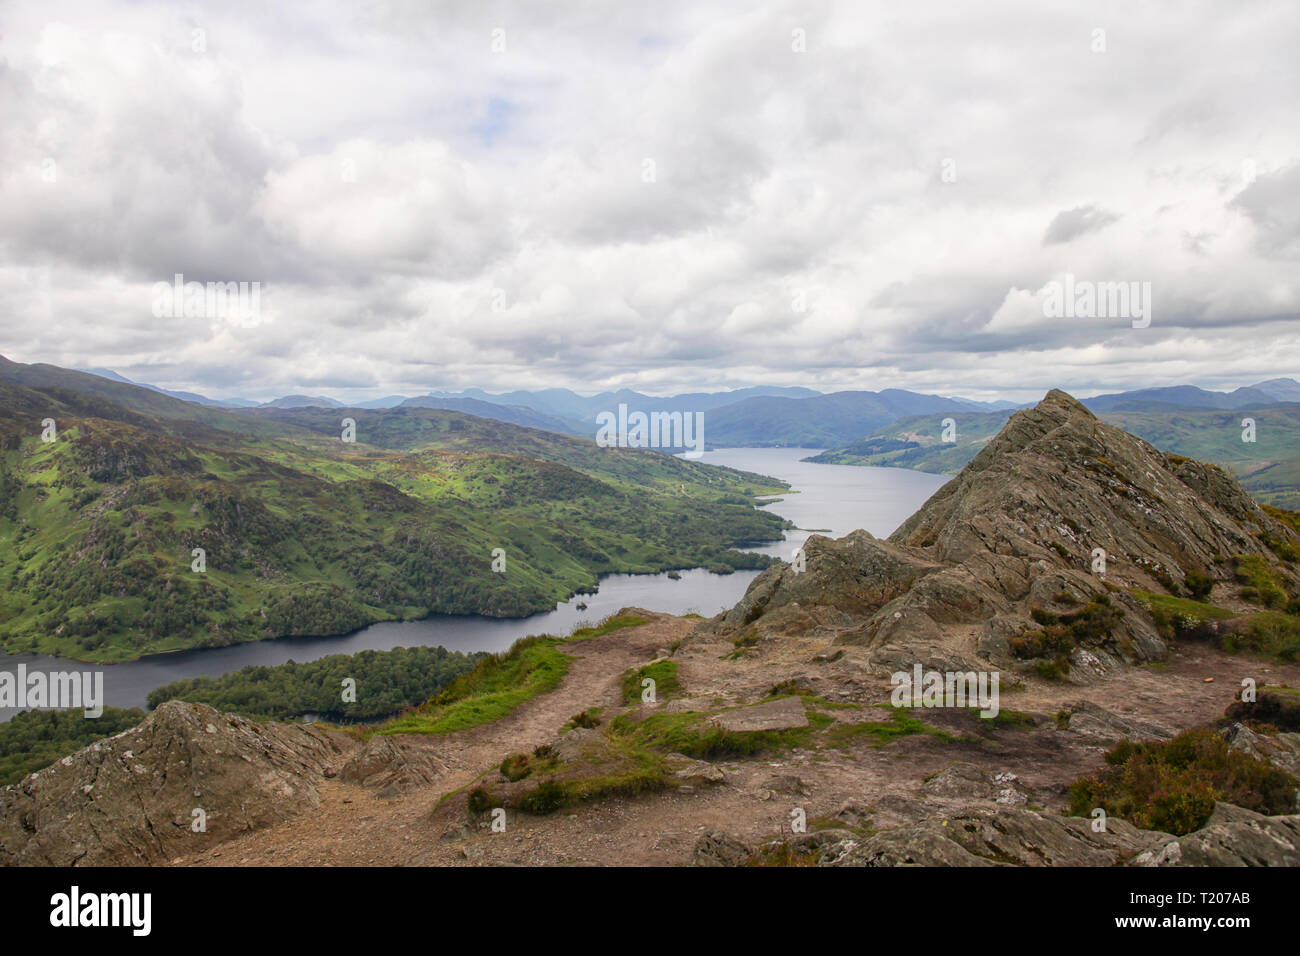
(671,196)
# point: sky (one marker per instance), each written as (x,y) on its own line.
(679,196)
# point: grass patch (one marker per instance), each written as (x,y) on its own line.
(496,686)
(901,723)
(1172,786)
(664,675)
(518,766)
(629,771)
(783,854)
(696,736)
(612,623)
(1261,584)
(1270,633)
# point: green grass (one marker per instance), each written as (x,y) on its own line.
(1270,633)
(694,735)
(901,723)
(646,773)
(664,675)
(1165,607)
(610,624)
(1273,634)
(496,686)
(1262,584)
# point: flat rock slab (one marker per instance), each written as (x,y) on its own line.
(783,714)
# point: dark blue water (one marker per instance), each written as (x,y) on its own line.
(839,498)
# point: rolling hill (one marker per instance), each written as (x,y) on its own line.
(305,534)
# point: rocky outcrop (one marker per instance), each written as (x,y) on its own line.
(1049,526)
(1012,836)
(392,766)
(988,837)
(184,779)
(1233,836)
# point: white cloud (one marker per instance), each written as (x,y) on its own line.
(385,173)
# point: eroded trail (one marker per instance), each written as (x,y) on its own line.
(355,826)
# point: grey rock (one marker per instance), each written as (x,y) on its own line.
(719,849)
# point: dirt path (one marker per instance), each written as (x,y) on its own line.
(354,826)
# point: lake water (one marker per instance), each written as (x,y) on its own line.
(835,499)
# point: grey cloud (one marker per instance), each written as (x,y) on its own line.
(1072,223)
(776,172)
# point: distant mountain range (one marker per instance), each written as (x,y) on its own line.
(768,416)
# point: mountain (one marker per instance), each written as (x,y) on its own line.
(918,442)
(655,732)
(388,401)
(1005,550)
(1268,466)
(514,414)
(563,403)
(82,393)
(1281,389)
(302,401)
(821,421)
(184,396)
(304,534)
(1181,396)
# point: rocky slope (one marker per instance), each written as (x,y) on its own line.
(1017,539)
(132,798)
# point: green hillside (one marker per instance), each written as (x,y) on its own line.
(305,534)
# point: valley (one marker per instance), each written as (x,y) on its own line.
(304,534)
(678,739)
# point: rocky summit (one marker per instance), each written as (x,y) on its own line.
(1060,514)
(1063,558)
